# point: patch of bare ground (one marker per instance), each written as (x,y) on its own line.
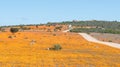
(107,37)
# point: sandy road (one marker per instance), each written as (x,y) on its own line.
(91,39)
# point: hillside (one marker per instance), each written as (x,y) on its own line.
(32,46)
(76,51)
(93,26)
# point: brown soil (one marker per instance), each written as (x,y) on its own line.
(107,37)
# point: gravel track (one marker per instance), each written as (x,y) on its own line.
(92,39)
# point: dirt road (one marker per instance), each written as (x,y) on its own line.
(91,39)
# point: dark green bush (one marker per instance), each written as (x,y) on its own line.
(14,30)
(57,47)
(54,34)
(110,41)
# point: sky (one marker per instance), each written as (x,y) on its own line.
(14,12)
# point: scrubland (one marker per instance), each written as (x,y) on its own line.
(20,51)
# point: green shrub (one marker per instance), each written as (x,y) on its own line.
(14,30)
(57,47)
(54,34)
(10,37)
(110,41)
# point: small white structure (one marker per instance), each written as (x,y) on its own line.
(70,26)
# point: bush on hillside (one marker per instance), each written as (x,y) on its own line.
(55,47)
(14,30)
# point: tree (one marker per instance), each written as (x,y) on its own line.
(14,30)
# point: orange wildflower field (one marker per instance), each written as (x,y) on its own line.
(76,51)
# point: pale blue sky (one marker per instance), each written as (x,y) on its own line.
(42,11)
